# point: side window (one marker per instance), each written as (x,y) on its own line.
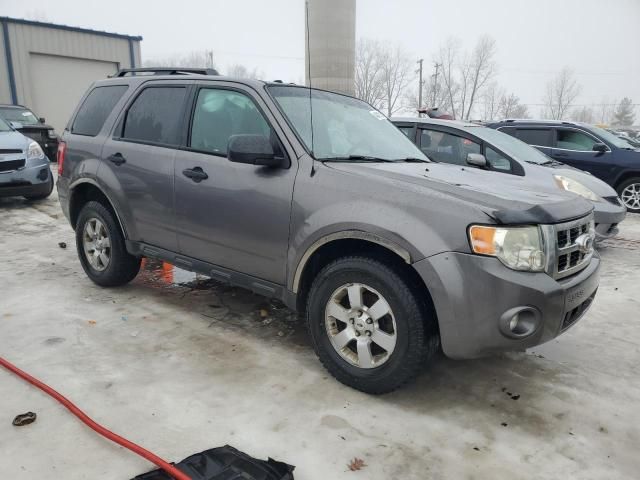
(96,108)
(574,140)
(221,113)
(155,116)
(509,131)
(408,131)
(446,147)
(496,160)
(540,137)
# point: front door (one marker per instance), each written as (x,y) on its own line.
(575,147)
(138,164)
(230,214)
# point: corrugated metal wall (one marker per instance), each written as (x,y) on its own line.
(29,42)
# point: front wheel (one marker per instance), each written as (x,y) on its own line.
(368,327)
(629,192)
(101,247)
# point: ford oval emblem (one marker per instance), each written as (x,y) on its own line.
(585,243)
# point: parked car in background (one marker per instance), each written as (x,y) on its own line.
(27,123)
(586,147)
(473,145)
(24,168)
(388,254)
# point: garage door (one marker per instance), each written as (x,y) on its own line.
(58,83)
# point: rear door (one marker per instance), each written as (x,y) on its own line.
(539,137)
(574,147)
(238,216)
(138,161)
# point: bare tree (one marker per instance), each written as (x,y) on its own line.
(510,107)
(480,70)
(583,114)
(605,111)
(369,83)
(491,101)
(195,59)
(240,71)
(560,94)
(396,70)
(447,57)
(433,95)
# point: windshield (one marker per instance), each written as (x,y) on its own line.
(344,128)
(510,145)
(610,137)
(21,115)
(4,126)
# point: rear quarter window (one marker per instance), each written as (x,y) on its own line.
(96,108)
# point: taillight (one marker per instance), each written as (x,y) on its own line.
(62,150)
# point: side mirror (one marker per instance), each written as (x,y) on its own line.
(600,147)
(41,120)
(252,149)
(477,160)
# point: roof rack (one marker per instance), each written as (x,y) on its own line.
(123,72)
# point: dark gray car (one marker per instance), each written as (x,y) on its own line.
(337,214)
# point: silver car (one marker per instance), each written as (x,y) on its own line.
(470,144)
(24,168)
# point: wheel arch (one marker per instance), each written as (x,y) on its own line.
(626,175)
(84,191)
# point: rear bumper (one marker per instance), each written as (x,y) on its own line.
(607,216)
(475,297)
(34,179)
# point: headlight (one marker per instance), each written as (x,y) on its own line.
(575,187)
(519,248)
(34,152)
(52,134)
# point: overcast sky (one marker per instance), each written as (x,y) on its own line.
(599,40)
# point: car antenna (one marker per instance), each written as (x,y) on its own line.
(313,161)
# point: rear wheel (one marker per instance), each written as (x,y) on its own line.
(629,192)
(101,247)
(368,327)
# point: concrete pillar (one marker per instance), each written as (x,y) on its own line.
(331,45)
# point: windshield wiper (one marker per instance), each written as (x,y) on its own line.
(413,160)
(354,158)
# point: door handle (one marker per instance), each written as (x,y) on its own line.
(196,174)
(117,159)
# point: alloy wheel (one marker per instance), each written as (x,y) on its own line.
(96,244)
(360,325)
(631,196)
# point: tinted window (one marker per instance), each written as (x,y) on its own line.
(575,140)
(155,116)
(220,114)
(96,108)
(496,160)
(534,136)
(447,148)
(509,131)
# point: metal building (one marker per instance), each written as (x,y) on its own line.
(331,45)
(47,67)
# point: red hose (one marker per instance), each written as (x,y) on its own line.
(166,466)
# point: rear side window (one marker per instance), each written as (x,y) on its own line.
(535,136)
(155,116)
(96,108)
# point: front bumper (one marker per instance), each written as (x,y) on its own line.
(607,216)
(472,294)
(33,179)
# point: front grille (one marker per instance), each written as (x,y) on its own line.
(11,165)
(572,316)
(570,257)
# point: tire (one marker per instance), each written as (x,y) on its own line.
(629,193)
(117,267)
(409,319)
(44,195)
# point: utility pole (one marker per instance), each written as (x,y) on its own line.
(435,84)
(419,62)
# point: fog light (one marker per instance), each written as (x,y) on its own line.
(520,322)
(43,174)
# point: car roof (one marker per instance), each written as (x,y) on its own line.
(191,76)
(435,121)
(528,121)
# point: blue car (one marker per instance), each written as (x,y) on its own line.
(589,148)
(24,168)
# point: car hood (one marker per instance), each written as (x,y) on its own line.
(13,141)
(505,198)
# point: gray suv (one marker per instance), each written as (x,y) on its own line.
(316,199)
